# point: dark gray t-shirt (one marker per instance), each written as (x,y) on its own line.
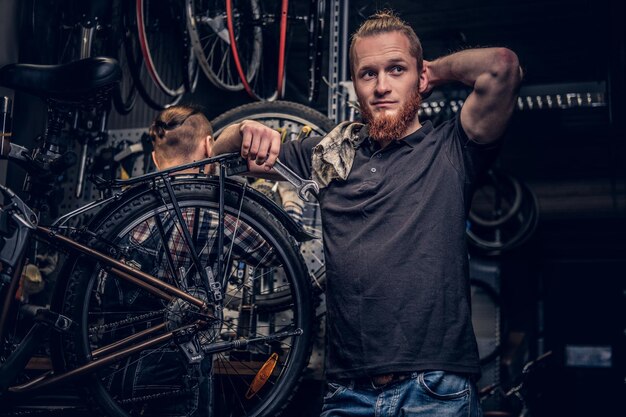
(397,294)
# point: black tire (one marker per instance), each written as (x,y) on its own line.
(168,61)
(277,114)
(125,94)
(504,193)
(107,309)
(503,217)
(317,16)
(293,119)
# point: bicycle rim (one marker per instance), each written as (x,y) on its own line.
(108,310)
(157,26)
(151,94)
(208,32)
(268,83)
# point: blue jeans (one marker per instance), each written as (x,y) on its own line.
(430,393)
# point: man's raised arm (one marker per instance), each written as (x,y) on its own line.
(494,74)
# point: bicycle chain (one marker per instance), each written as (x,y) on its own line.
(150,397)
(127,321)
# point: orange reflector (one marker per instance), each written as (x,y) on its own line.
(262,376)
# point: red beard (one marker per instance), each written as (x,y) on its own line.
(384,128)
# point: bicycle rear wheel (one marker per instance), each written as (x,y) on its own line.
(208,32)
(158,380)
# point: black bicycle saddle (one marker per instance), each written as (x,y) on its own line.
(66,82)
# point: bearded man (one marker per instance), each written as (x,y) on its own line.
(394,197)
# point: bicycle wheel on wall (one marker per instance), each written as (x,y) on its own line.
(158,380)
(317,16)
(504,213)
(208,32)
(294,121)
(161,63)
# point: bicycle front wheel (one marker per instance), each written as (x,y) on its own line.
(255,376)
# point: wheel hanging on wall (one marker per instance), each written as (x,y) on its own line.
(503,214)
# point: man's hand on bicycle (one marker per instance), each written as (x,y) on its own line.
(260,144)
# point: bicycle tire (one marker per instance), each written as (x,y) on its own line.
(206,25)
(512,234)
(498,188)
(231,373)
(269,81)
(277,114)
(317,15)
(145,16)
(291,118)
(125,94)
(146,88)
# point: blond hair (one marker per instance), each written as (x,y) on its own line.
(386,21)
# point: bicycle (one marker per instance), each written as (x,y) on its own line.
(125,300)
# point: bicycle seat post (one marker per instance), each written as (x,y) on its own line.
(49,155)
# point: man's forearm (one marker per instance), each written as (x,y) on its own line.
(229,140)
(257,143)
(468,66)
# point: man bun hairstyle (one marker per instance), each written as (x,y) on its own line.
(387,21)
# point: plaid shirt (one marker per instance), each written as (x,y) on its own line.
(241,242)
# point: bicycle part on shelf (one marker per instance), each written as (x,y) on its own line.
(302,186)
(236,344)
(209,35)
(503,214)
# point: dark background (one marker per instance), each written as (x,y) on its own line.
(566,286)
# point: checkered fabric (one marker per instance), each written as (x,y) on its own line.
(241,242)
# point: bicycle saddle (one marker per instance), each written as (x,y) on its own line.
(70,82)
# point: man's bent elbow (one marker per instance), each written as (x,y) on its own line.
(507,68)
